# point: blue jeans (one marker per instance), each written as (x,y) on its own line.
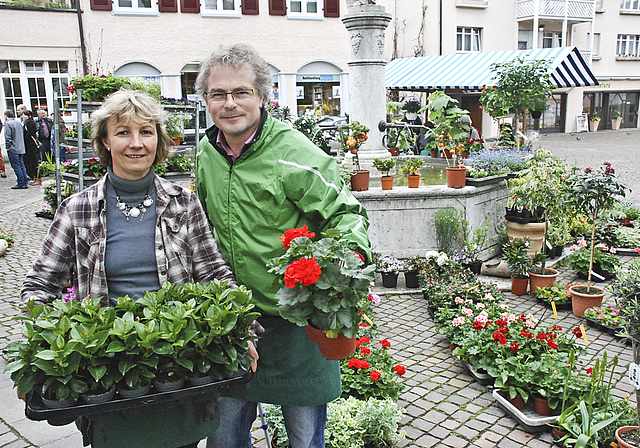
(305,424)
(17,163)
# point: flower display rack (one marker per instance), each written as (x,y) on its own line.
(35,409)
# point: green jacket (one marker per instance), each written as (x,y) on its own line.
(280,181)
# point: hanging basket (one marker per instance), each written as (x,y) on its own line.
(333,349)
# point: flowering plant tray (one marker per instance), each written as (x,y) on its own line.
(527,418)
(560,306)
(482,378)
(35,409)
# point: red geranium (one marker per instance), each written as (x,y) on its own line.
(514,346)
(375,375)
(385,343)
(365,351)
(400,370)
(292,234)
(305,271)
(362,341)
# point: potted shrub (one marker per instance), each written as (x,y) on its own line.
(514,253)
(604,264)
(558,294)
(591,192)
(616,117)
(411,169)
(321,283)
(350,141)
(540,276)
(472,242)
(385,166)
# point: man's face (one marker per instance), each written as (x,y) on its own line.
(237,119)
(42,114)
(20,110)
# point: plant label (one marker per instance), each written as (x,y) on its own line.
(597,276)
(634,375)
(548,244)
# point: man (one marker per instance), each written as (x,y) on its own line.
(257,178)
(45,125)
(2,169)
(14,140)
(20,108)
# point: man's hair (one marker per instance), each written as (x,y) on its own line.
(9,113)
(129,105)
(237,56)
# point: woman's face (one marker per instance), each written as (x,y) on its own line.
(133,147)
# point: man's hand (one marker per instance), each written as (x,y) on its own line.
(253,352)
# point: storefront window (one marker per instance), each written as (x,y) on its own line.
(318,98)
(552,118)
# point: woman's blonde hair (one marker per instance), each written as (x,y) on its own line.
(129,105)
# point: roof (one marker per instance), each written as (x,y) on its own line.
(473,70)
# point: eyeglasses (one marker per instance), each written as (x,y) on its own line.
(237,95)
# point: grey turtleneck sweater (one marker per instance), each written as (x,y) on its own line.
(130,261)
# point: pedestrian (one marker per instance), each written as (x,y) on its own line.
(14,143)
(32,148)
(129,233)
(45,125)
(20,108)
(3,173)
(257,178)
(473,132)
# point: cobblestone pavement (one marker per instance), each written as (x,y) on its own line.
(443,405)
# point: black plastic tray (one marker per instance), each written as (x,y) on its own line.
(35,409)
(483,379)
(562,306)
(607,329)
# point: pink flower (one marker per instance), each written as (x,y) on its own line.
(458,321)
(459,300)
(467,311)
(479,306)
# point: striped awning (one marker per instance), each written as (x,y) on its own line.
(473,70)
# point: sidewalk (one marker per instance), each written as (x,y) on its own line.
(443,405)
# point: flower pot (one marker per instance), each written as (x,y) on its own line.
(360,180)
(134,393)
(176,141)
(333,349)
(445,153)
(167,384)
(55,404)
(95,397)
(465,154)
(540,280)
(581,301)
(413,180)
(386,182)
(201,380)
(456,177)
(411,279)
(534,230)
(389,279)
(434,153)
(411,116)
(476,267)
(593,125)
(394,152)
(622,430)
(519,286)
(615,123)
(517,401)
(541,405)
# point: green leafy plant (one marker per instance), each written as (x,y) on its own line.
(447,222)
(176,123)
(609,315)
(8,237)
(49,191)
(558,293)
(472,241)
(320,282)
(307,124)
(602,261)
(351,139)
(412,167)
(449,132)
(384,165)
(90,167)
(514,253)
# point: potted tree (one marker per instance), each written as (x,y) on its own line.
(385,166)
(514,253)
(350,141)
(592,191)
(411,169)
(321,283)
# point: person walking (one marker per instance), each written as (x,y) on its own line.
(14,141)
(32,151)
(3,174)
(257,178)
(45,127)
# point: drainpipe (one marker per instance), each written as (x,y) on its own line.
(83,48)
(440,27)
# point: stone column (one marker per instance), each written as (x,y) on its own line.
(366,23)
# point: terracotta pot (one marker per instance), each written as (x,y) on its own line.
(517,401)
(581,301)
(445,153)
(389,279)
(411,279)
(534,230)
(360,180)
(456,177)
(519,286)
(540,280)
(622,443)
(176,141)
(413,180)
(434,153)
(333,349)
(394,151)
(386,182)
(593,126)
(541,405)
(559,433)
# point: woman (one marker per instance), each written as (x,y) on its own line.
(127,234)
(32,151)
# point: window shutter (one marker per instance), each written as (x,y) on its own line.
(101,5)
(278,7)
(250,7)
(332,8)
(168,5)
(190,6)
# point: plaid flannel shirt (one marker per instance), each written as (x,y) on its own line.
(74,248)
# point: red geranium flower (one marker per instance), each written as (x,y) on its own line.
(365,350)
(291,234)
(496,335)
(477,325)
(514,346)
(552,344)
(503,341)
(375,375)
(305,271)
(385,343)
(363,325)
(400,370)
(541,336)
(589,370)
(362,341)
(577,332)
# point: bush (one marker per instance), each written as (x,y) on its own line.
(447,224)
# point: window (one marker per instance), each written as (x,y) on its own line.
(135,7)
(630,5)
(221,8)
(33,83)
(469,39)
(551,39)
(627,45)
(596,44)
(305,9)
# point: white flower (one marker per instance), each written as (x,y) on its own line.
(431,253)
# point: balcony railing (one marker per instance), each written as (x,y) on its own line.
(554,9)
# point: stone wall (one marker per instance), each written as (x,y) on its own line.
(402,219)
